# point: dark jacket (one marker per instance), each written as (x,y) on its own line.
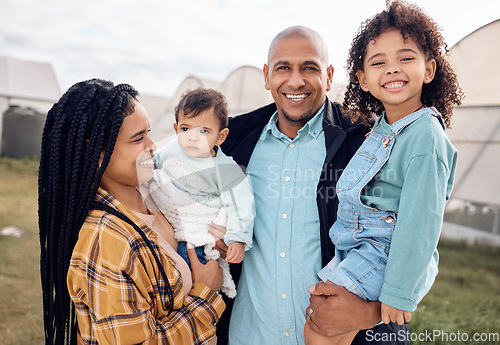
(342,139)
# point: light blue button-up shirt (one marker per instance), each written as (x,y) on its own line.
(286,255)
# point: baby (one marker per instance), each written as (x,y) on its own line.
(203,193)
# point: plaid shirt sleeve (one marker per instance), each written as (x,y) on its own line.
(115,283)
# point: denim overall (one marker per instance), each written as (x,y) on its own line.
(361,234)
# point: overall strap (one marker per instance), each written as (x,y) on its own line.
(401,124)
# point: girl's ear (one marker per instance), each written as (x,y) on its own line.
(430,71)
(362,80)
(222,136)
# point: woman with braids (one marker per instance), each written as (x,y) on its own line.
(393,191)
(110,272)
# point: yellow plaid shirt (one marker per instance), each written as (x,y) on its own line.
(115,284)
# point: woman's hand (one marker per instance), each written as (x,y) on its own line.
(209,274)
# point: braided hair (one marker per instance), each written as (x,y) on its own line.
(84,123)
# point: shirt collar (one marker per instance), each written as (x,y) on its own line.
(313,127)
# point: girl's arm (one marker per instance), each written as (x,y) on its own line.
(412,262)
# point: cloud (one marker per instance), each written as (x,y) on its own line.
(154,45)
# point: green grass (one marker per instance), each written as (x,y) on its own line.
(20,293)
(465,297)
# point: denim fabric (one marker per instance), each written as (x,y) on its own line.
(182,250)
(361,234)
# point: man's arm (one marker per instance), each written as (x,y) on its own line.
(337,311)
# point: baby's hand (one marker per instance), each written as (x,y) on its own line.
(391,314)
(235,253)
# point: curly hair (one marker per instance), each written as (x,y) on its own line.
(79,127)
(193,102)
(443,92)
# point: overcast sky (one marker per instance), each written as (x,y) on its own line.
(155,44)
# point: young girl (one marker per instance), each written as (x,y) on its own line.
(393,191)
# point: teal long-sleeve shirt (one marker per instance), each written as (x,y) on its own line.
(414,183)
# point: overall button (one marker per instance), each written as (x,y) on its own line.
(385,142)
(287,334)
(388,219)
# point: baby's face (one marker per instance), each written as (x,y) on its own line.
(198,135)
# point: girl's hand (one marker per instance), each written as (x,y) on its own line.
(209,274)
(235,253)
(391,314)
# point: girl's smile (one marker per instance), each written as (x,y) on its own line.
(394,71)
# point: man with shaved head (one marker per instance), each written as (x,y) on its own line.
(295,150)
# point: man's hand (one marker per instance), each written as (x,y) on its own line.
(338,311)
(221,247)
(218,233)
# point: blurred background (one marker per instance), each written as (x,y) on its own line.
(166,48)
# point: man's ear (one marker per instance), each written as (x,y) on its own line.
(222,136)
(265,70)
(329,77)
(362,80)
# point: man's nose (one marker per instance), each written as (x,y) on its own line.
(296,79)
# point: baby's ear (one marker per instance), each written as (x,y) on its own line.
(175,127)
(222,136)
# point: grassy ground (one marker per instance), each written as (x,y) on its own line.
(20,294)
(465,297)
(464,300)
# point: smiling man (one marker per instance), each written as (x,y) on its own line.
(298,76)
(300,143)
